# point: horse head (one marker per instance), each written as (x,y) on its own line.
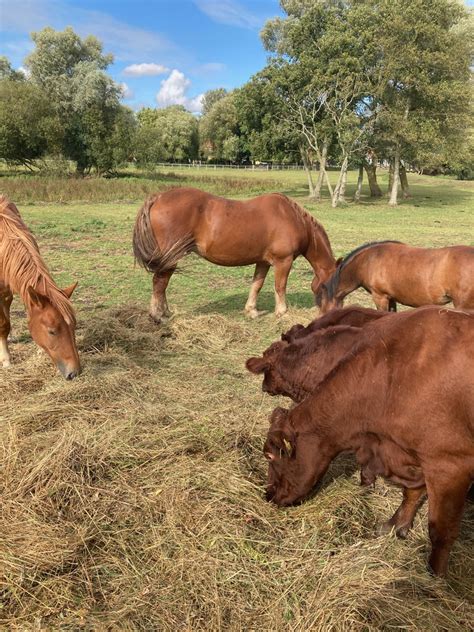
(54,332)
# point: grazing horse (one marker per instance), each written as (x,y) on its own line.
(51,318)
(269,230)
(396,273)
(402,401)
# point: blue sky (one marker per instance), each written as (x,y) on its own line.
(166,51)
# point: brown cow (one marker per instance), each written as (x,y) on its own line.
(403,402)
(354,316)
(295,369)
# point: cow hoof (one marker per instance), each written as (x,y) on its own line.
(402,532)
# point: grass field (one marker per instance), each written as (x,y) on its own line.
(132,497)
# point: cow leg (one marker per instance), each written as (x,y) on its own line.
(261,270)
(282,270)
(159,305)
(6,298)
(402,519)
(445,506)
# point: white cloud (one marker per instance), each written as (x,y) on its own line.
(126,92)
(174,90)
(24,71)
(144,70)
(228,12)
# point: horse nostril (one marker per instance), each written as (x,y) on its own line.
(72,375)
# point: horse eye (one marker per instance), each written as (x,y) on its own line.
(51,332)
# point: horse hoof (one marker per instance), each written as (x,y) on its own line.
(252,313)
(6,364)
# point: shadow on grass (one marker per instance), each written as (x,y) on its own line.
(266,303)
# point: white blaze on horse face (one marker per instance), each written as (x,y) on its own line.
(4,353)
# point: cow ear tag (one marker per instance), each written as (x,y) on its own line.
(288,446)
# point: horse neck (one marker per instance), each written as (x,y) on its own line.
(345,394)
(349,279)
(21,265)
(319,253)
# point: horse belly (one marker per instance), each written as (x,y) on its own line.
(240,243)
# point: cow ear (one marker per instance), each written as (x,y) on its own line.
(292,333)
(257,365)
(282,435)
(38,299)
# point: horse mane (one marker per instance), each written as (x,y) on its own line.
(308,219)
(333,281)
(22,265)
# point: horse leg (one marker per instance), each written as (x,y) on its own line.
(260,273)
(402,519)
(159,310)
(282,270)
(6,298)
(445,506)
(392,305)
(381,301)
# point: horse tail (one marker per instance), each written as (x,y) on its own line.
(146,251)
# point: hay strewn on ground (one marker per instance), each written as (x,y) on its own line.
(132,499)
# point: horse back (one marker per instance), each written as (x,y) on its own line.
(230,232)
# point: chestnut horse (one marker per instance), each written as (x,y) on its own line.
(396,273)
(51,319)
(402,401)
(269,230)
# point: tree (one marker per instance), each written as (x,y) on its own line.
(211,97)
(28,124)
(219,131)
(86,100)
(264,127)
(7,72)
(423,106)
(169,134)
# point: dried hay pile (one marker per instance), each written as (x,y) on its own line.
(132,499)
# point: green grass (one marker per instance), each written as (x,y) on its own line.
(132,498)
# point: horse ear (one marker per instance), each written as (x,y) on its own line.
(257,365)
(67,291)
(38,299)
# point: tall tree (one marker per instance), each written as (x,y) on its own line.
(87,101)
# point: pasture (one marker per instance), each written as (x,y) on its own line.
(132,497)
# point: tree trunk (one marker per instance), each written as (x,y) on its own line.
(360,179)
(370,169)
(342,189)
(322,171)
(404,182)
(393,201)
(390,178)
(337,190)
(307,168)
